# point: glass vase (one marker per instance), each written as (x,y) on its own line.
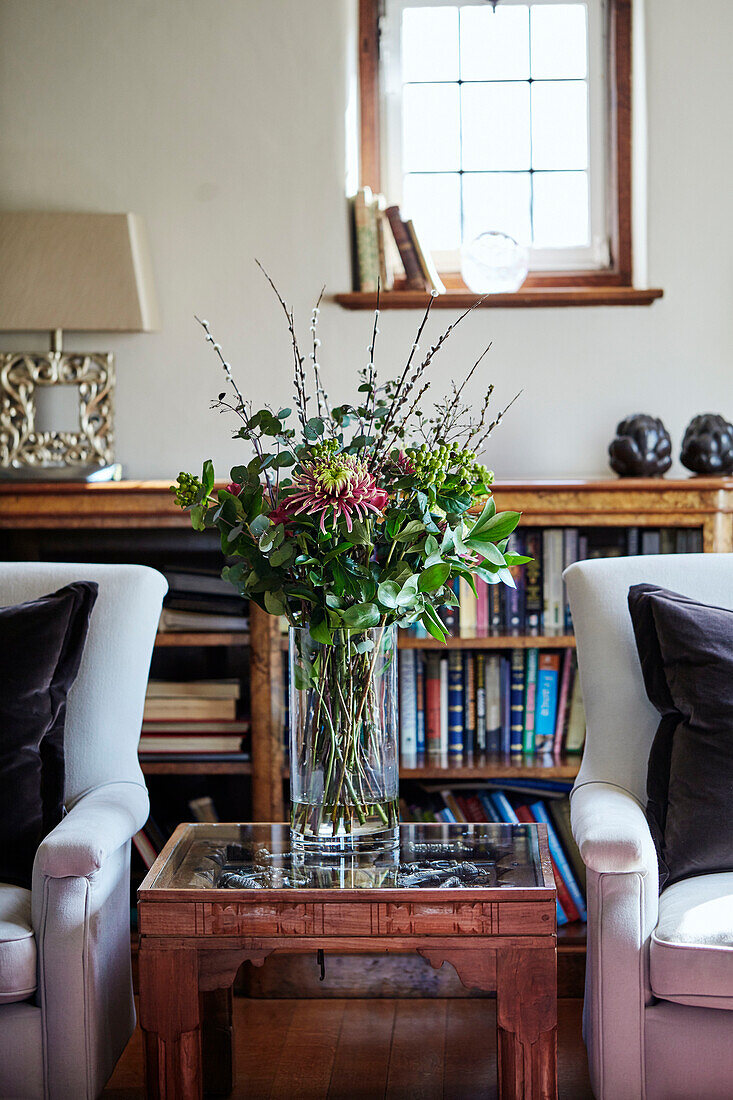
(343,740)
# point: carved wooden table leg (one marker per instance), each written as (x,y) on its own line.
(169,1016)
(526,1023)
(217,1042)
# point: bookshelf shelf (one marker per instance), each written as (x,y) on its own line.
(200,638)
(181,766)
(521,299)
(492,767)
(494,642)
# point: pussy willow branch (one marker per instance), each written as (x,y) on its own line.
(371,377)
(387,422)
(324,409)
(300,388)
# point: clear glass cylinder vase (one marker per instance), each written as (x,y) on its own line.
(344,773)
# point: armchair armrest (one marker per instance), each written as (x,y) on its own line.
(611,830)
(98,823)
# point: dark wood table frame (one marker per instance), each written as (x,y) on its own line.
(192,943)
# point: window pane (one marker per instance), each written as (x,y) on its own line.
(434,204)
(560,124)
(497,201)
(559,40)
(430,44)
(560,209)
(430,128)
(496,126)
(495,44)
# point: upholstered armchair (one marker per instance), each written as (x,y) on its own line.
(658,1018)
(66,1005)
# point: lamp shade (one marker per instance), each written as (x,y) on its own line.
(81,272)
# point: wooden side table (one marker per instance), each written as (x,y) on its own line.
(481,897)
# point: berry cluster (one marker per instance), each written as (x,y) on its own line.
(186,489)
(435,465)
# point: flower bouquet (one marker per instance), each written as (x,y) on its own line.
(352,522)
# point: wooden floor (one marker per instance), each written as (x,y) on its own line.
(437,1049)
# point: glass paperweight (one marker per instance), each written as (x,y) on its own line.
(494,263)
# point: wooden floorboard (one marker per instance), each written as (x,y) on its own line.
(348,1049)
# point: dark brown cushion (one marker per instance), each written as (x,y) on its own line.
(686,653)
(41,643)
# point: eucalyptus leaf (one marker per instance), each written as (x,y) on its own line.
(387,594)
(275,603)
(259,524)
(361,616)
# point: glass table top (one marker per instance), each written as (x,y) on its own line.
(260,857)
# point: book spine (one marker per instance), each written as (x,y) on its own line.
(410,261)
(563,701)
(548,674)
(455,701)
(516,727)
(432,704)
(575,734)
(514,613)
(419,703)
(496,610)
(480,702)
(408,713)
(482,608)
(552,581)
(632,541)
(367,246)
(466,609)
(493,704)
(530,701)
(443,706)
(569,555)
(469,702)
(557,853)
(533,598)
(506,706)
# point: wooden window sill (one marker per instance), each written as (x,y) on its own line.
(522,299)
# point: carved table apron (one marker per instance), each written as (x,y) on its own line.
(193,941)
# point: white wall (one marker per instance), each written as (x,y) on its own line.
(222,122)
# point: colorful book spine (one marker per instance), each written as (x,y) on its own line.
(408,710)
(493,704)
(496,609)
(506,705)
(563,701)
(482,608)
(455,702)
(420,703)
(533,598)
(480,702)
(516,727)
(466,609)
(469,701)
(432,703)
(514,612)
(530,700)
(540,813)
(548,675)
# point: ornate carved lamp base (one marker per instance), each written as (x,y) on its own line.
(21,445)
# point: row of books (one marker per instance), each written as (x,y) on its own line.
(201,600)
(524,701)
(385,247)
(539,605)
(521,801)
(192,717)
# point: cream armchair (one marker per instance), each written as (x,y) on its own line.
(66,1006)
(658,1023)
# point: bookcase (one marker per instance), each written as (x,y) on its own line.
(63,521)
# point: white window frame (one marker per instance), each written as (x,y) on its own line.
(593,257)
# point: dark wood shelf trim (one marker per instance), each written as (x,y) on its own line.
(199,637)
(505,641)
(179,766)
(533,297)
(492,767)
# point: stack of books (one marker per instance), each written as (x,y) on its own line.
(539,605)
(386,247)
(195,718)
(523,701)
(519,801)
(201,600)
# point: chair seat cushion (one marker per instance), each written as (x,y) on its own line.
(691,954)
(17,945)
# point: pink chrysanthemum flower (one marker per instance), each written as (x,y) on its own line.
(339,485)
